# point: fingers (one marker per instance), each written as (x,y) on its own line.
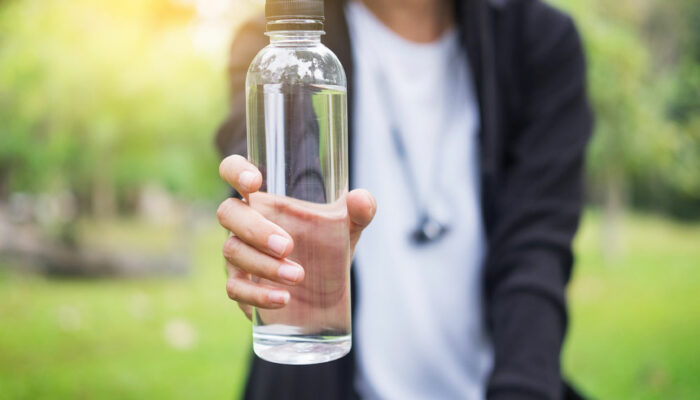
(361,209)
(240,174)
(249,293)
(252,261)
(254,229)
(235,273)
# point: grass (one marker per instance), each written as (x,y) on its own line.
(175,338)
(633,331)
(635,323)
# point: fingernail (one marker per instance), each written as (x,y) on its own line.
(278,297)
(290,272)
(246,179)
(278,244)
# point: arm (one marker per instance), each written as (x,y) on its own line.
(537,210)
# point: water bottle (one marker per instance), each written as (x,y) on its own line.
(296,116)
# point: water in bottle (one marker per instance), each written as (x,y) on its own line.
(297,137)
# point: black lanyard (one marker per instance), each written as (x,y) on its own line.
(428,229)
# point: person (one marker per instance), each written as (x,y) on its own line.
(469,121)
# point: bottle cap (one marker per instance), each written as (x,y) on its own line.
(292,9)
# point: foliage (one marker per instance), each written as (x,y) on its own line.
(106,96)
(103,98)
(686,101)
(636,75)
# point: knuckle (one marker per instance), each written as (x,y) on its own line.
(232,289)
(261,298)
(232,247)
(227,168)
(239,163)
(227,210)
(249,232)
(224,209)
(268,269)
(223,167)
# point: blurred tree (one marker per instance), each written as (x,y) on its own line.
(639,155)
(103,97)
(685,103)
(630,128)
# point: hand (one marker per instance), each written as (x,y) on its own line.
(262,269)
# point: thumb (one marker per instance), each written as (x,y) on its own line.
(361,210)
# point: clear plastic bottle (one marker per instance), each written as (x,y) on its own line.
(297,137)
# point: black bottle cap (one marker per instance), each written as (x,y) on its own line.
(302,9)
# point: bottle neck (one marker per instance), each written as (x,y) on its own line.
(295,32)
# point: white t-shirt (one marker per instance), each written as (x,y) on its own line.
(418,330)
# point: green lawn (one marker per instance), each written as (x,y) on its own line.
(635,321)
(634,326)
(174,338)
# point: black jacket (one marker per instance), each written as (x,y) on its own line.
(528,66)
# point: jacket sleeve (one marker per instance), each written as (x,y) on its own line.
(249,40)
(537,208)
